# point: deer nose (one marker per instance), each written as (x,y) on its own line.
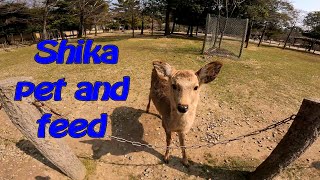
(182,108)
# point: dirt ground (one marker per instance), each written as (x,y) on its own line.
(229,107)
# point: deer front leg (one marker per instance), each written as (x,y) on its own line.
(148,106)
(168,139)
(183,149)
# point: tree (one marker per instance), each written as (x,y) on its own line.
(169,5)
(62,17)
(127,12)
(14,18)
(192,13)
(99,17)
(269,16)
(229,5)
(85,9)
(143,10)
(48,6)
(154,9)
(312,20)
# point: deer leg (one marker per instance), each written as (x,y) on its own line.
(168,138)
(183,149)
(148,106)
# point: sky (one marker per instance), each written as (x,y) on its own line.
(307,5)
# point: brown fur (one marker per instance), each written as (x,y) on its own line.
(171,88)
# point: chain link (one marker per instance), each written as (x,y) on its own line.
(232,30)
(211,144)
(41,105)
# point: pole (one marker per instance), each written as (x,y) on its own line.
(243,37)
(206,34)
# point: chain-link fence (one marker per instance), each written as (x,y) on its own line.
(224,36)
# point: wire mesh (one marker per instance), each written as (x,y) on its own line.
(224,36)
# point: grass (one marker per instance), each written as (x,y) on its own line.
(90,165)
(232,163)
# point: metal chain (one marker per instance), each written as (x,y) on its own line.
(40,106)
(138,144)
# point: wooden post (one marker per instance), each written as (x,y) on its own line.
(304,130)
(24,116)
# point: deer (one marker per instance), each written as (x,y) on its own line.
(175,94)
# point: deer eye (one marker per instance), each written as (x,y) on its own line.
(174,86)
(196,88)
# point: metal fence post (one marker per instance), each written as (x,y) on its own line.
(206,33)
(244,37)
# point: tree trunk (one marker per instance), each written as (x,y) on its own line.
(45,17)
(33,38)
(191,31)
(303,132)
(173,26)
(152,25)
(132,24)
(142,25)
(21,37)
(311,46)
(24,115)
(167,28)
(189,27)
(223,31)
(81,22)
(7,39)
(95,30)
(160,25)
(61,33)
(263,32)
(197,29)
(288,37)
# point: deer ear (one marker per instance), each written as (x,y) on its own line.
(209,72)
(162,68)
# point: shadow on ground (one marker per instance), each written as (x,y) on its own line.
(316,164)
(125,124)
(42,178)
(27,147)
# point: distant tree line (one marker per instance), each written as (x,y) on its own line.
(24,16)
(312,22)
